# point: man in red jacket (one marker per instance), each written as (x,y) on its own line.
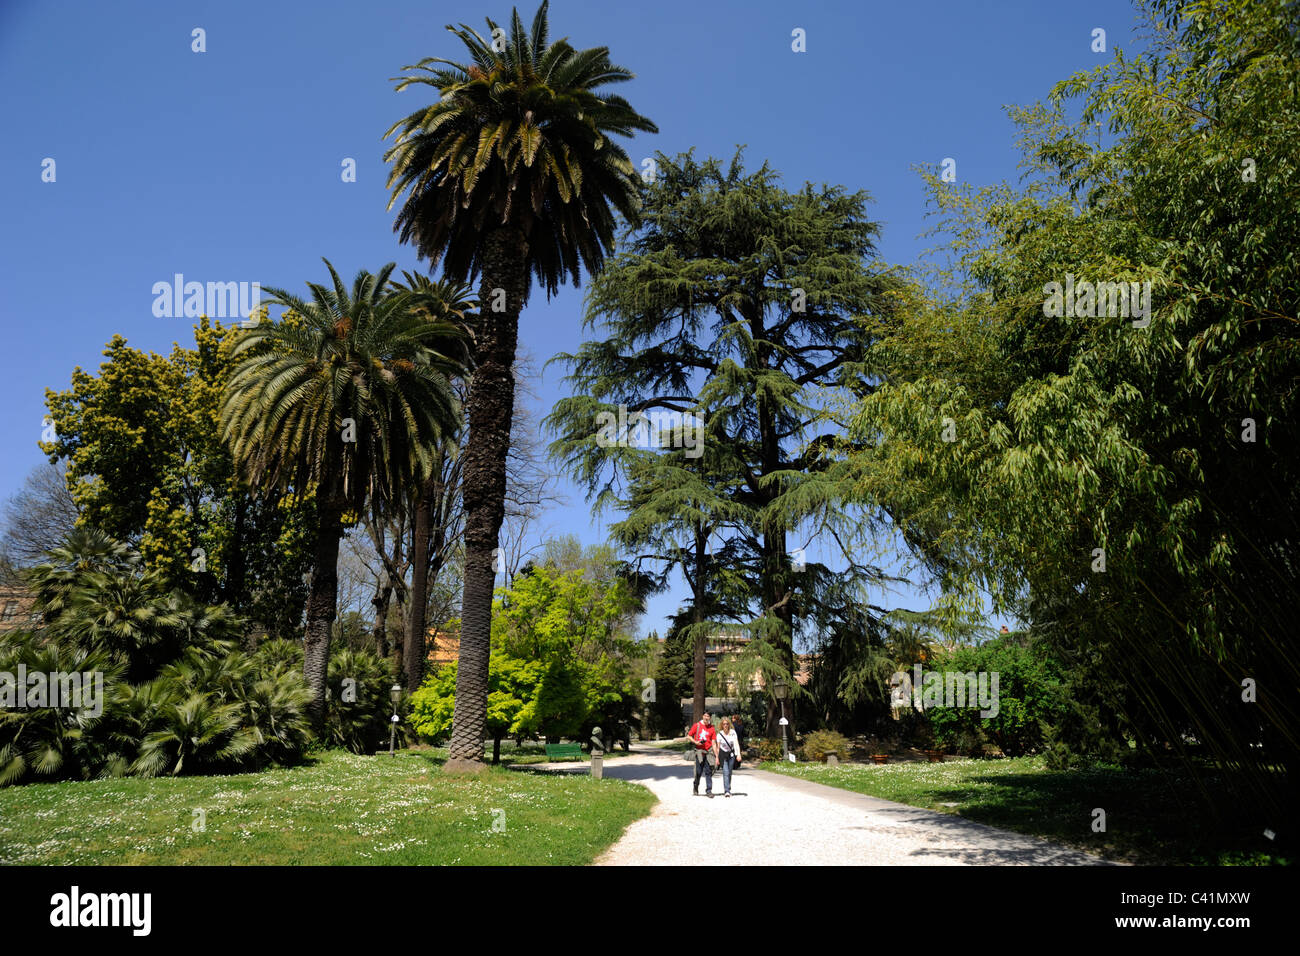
(704,736)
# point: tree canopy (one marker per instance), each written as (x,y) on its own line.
(734,321)
(1125,481)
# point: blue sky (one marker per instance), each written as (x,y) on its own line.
(225,165)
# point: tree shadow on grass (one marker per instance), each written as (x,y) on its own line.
(1149,816)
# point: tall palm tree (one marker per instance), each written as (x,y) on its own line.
(343,399)
(511,172)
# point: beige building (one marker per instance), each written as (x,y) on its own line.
(722,646)
(443,647)
(16,610)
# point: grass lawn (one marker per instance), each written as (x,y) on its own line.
(339,809)
(1151,816)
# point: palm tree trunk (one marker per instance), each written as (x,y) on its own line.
(491,406)
(322,601)
(416,607)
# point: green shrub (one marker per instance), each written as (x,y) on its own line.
(178,697)
(1080,739)
(820,744)
(358,708)
(49,742)
(769,749)
(276,705)
(1030,694)
(197,730)
(967,741)
(433,705)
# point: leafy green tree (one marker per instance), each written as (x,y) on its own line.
(514,684)
(1030,696)
(511,172)
(345,400)
(674,679)
(434,703)
(146,464)
(552,612)
(561,656)
(1126,487)
(674,496)
(577,623)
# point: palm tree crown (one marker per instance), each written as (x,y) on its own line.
(373,355)
(518,139)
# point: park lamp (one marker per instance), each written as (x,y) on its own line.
(395,694)
(781,690)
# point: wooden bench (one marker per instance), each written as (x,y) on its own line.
(557,751)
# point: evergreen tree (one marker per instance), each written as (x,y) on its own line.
(746,309)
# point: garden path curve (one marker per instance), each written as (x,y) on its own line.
(779,820)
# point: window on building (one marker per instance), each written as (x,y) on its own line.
(10,611)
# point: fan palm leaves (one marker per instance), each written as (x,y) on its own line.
(195,729)
(84,550)
(224,676)
(170,692)
(51,741)
(130,616)
(359,708)
(276,712)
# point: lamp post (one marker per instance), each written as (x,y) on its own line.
(395,694)
(781,690)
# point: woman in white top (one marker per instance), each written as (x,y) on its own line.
(728,751)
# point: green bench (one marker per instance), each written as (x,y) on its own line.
(557,751)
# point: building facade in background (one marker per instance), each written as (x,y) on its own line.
(16,610)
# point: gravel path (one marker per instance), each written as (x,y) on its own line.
(779,820)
